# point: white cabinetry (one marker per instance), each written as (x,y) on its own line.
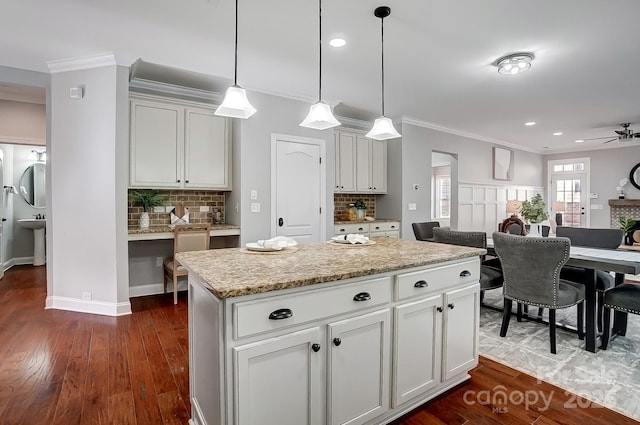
(436,337)
(177,144)
(361,163)
(387,229)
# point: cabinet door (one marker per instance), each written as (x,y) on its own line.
(345,162)
(461,321)
(277,381)
(358,369)
(417,348)
(206,150)
(156,144)
(379,166)
(363,164)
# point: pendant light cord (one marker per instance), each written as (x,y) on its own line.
(382,44)
(235,65)
(320,50)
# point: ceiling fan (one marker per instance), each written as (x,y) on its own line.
(622,135)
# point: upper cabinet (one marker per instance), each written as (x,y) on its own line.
(175,144)
(361,163)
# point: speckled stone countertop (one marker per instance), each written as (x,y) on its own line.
(163,229)
(377,220)
(234,272)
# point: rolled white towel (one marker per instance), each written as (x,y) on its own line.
(355,238)
(273,243)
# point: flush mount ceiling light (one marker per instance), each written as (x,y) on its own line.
(383,127)
(338,42)
(530,123)
(320,116)
(514,63)
(235,103)
(558,133)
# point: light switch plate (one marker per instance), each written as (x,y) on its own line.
(204,208)
(254,194)
(593,196)
(412,206)
(255,207)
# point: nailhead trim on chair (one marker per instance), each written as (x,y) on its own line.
(618,308)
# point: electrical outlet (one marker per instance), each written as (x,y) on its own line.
(255,207)
(412,206)
(204,208)
(254,195)
(158,209)
(158,261)
(86,295)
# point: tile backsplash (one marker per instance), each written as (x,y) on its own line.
(341,203)
(191,199)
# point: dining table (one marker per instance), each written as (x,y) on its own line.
(620,261)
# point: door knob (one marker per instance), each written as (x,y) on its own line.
(337,341)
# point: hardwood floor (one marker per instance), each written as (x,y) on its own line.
(59,367)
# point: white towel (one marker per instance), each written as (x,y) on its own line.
(273,243)
(355,238)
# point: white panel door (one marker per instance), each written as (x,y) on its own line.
(206,150)
(156,143)
(461,320)
(359,359)
(569,192)
(298,190)
(278,380)
(417,348)
(3,200)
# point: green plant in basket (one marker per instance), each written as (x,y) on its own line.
(534,210)
(360,204)
(147,198)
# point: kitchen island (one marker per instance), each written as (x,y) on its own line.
(324,333)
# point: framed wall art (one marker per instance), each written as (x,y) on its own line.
(502,164)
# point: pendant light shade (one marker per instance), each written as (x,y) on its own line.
(320,116)
(235,103)
(383,128)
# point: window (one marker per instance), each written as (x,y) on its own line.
(442,196)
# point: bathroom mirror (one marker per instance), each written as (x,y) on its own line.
(634,176)
(32,185)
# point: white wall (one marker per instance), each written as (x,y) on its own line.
(86,196)
(608,167)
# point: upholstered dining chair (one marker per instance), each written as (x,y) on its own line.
(186,237)
(593,238)
(531,269)
(624,298)
(424,231)
(490,276)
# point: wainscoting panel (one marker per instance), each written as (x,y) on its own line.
(482,207)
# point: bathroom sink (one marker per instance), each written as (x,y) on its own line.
(33,223)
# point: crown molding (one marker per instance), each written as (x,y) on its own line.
(354,123)
(84,62)
(140,84)
(432,126)
(295,96)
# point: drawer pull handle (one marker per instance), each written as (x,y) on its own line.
(315,348)
(393,227)
(451,306)
(283,313)
(439,309)
(360,228)
(465,273)
(421,284)
(377,227)
(362,296)
(337,342)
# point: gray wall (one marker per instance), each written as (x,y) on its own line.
(410,163)
(608,167)
(275,115)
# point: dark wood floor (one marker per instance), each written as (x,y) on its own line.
(59,367)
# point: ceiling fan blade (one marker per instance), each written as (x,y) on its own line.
(598,138)
(611,140)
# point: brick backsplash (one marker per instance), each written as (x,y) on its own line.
(191,199)
(341,203)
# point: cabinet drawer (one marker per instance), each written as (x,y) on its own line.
(345,229)
(394,234)
(437,278)
(384,227)
(254,317)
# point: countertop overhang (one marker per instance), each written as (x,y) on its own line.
(234,272)
(165,232)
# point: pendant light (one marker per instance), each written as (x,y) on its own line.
(235,103)
(383,127)
(320,116)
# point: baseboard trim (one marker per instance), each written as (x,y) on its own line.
(88,306)
(154,289)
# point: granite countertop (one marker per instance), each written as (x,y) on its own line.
(377,220)
(164,229)
(235,272)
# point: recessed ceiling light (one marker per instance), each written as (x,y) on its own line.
(580,141)
(514,63)
(558,133)
(530,123)
(337,42)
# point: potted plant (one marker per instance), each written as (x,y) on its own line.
(535,212)
(361,207)
(147,199)
(626,224)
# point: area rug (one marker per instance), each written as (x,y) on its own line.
(610,378)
